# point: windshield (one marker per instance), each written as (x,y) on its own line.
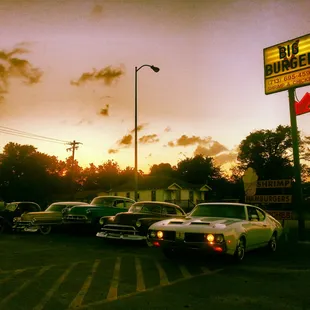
(218,210)
(145,208)
(56,207)
(106,201)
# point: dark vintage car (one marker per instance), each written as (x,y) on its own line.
(15,209)
(100,206)
(134,224)
(43,221)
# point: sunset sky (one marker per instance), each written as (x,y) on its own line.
(207,96)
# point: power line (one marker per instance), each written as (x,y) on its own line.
(24,134)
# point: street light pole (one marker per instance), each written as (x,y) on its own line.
(155,69)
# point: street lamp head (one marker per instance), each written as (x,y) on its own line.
(155,69)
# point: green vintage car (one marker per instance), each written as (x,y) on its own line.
(100,206)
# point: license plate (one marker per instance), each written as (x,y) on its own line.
(180,235)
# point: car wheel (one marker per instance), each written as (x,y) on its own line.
(272,244)
(240,250)
(45,229)
(169,253)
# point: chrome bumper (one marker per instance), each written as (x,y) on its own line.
(120,236)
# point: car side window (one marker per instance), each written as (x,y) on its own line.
(261,215)
(170,210)
(252,213)
(119,204)
(178,212)
(128,204)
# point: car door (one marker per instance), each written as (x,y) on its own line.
(253,228)
(266,229)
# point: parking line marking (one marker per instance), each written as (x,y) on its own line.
(112,295)
(150,289)
(54,288)
(14,273)
(184,271)
(24,285)
(78,300)
(163,279)
(140,279)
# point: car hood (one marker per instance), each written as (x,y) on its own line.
(194,224)
(129,218)
(30,215)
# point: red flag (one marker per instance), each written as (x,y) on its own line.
(303,106)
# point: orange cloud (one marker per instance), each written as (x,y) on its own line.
(184,140)
(214,149)
(112,151)
(105,111)
(139,127)
(149,139)
(108,75)
(126,140)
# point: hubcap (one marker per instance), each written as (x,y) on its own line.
(273,244)
(45,229)
(240,250)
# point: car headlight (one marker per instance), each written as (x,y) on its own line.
(210,237)
(101,221)
(138,223)
(88,211)
(65,210)
(153,234)
(160,234)
(16,219)
(219,238)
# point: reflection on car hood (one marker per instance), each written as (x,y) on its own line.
(30,215)
(129,218)
(195,223)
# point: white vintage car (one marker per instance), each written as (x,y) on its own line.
(227,228)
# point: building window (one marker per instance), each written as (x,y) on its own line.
(153,195)
(138,196)
(191,196)
(128,195)
(115,194)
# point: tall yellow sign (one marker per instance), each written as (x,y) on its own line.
(287,65)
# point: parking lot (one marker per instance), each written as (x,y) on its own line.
(62,271)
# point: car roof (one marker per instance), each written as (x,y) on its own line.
(69,202)
(17,202)
(116,197)
(159,202)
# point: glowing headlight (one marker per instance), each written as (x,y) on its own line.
(138,223)
(219,238)
(101,221)
(153,234)
(210,237)
(160,234)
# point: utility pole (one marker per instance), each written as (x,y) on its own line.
(74,146)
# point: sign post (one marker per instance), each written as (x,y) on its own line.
(287,67)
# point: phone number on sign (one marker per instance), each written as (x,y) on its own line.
(289,80)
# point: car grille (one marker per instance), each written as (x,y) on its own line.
(73,218)
(169,235)
(194,237)
(119,229)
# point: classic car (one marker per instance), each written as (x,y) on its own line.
(100,206)
(15,209)
(226,228)
(134,224)
(43,220)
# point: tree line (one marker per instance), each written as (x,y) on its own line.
(27,174)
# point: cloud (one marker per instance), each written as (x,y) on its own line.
(96,12)
(105,111)
(213,149)
(147,139)
(167,129)
(108,75)
(13,66)
(125,141)
(112,151)
(139,127)
(185,140)
(225,158)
